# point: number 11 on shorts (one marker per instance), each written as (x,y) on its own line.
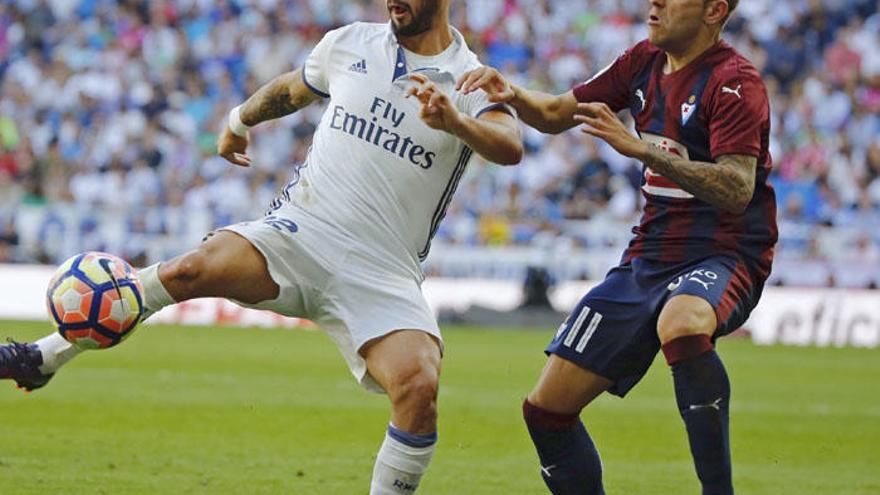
(577,328)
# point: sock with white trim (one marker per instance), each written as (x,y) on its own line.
(401,462)
(56,351)
(155,295)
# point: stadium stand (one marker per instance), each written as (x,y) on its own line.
(109,113)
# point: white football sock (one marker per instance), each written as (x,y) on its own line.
(56,351)
(399,467)
(155,295)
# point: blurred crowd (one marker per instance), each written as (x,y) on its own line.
(109,113)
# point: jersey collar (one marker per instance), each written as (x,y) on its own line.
(400,62)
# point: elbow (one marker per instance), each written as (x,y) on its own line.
(516,154)
(739,204)
(512,155)
(551,127)
(547,123)
(543,127)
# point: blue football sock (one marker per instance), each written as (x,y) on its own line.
(702,391)
(570,463)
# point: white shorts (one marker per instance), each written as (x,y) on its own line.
(324,277)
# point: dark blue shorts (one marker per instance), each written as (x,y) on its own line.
(613,330)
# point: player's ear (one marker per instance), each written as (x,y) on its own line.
(715,12)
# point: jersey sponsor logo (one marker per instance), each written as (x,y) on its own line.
(688,109)
(371,130)
(588,330)
(360,67)
(641,96)
(700,276)
(734,91)
(656,184)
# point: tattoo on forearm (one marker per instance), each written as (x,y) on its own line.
(727,184)
(274,100)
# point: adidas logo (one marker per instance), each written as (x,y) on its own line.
(360,67)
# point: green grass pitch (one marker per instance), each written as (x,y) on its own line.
(230,411)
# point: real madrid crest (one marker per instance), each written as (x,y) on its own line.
(688,108)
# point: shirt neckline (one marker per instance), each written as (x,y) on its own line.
(419,61)
(690,65)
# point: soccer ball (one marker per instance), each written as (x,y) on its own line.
(95,300)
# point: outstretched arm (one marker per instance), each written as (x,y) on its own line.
(550,114)
(545,112)
(281,96)
(494,135)
(728,184)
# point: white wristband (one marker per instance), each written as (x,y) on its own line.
(237,127)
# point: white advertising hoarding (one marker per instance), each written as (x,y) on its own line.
(792,316)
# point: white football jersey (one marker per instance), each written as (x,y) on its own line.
(375,171)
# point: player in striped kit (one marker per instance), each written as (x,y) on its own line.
(342,243)
(698,260)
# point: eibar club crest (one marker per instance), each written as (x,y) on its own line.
(688,108)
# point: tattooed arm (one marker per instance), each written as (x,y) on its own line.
(281,96)
(728,184)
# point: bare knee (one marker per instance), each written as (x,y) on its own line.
(565,388)
(226,265)
(413,395)
(187,268)
(406,363)
(185,271)
(685,315)
(190,276)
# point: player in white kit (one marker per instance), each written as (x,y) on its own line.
(343,241)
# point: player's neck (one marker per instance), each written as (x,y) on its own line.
(432,42)
(678,59)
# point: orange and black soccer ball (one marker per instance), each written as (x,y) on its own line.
(95,300)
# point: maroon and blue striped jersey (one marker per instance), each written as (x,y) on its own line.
(714,106)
